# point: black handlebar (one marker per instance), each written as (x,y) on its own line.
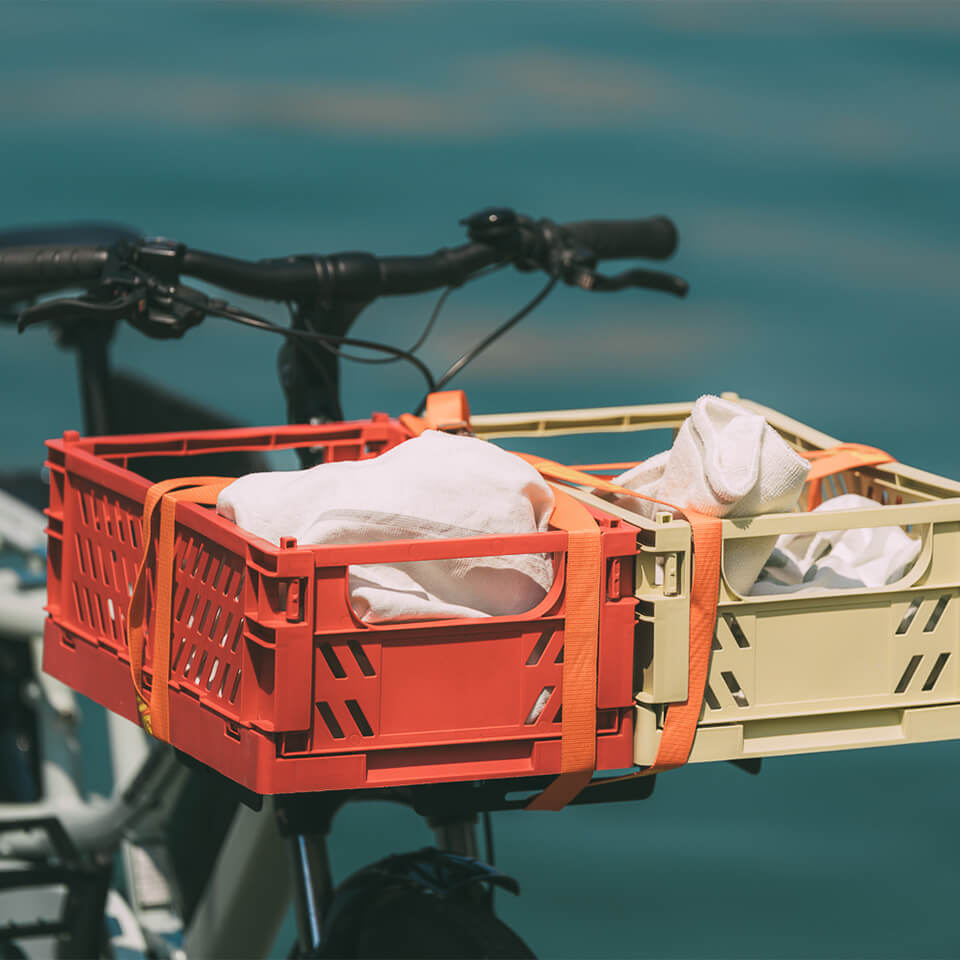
(654,238)
(128,278)
(51,266)
(345,276)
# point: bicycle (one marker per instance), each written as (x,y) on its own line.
(181,881)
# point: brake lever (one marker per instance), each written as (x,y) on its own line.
(171,311)
(71,308)
(588,279)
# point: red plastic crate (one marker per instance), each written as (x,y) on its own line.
(274,680)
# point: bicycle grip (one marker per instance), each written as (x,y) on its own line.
(50,266)
(654,238)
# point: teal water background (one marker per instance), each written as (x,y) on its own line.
(809,154)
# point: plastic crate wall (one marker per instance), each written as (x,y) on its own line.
(794,674)
(274,682)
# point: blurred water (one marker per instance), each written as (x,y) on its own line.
(809,154)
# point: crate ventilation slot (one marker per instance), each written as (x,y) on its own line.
(184,597)
(734,626)
(363,661)
(330,719)
(938,666)
(938,610)
(712,702)
(193,610)
(226,630)
(190,659)
(223,679)
(80,556)
(333,661)
(911,612)
(178,653)
(539,647)
(740,698)
(199,673)
(359,718)
(214,667)
(336,666)
(908,673)
(538,705)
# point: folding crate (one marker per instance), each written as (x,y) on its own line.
(274,681)
(829,670)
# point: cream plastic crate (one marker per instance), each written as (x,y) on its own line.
(829,670)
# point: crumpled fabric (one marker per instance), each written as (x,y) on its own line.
(838,559)
(724,462)
(434,486)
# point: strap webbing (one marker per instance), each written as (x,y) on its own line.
(833,460)
(444,410)
(584,569)
(680,725)
(578,727)
(155,715)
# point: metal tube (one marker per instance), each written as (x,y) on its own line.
(311,886)
(458,836)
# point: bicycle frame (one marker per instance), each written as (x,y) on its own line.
(222,887)
(252,878)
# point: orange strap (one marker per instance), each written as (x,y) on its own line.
(680,725)
(578,728)
(155,715)
(445,410)
(833,460)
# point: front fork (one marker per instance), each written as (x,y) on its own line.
(313,882)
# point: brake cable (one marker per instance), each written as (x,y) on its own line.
(552,250)
(478,348)
(219,308)
(428,329)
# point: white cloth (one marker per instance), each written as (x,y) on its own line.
(838,559)
(435,486)
(725,462)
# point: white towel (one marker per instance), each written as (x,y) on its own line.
(435,486)
(725,462)
(838,559)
